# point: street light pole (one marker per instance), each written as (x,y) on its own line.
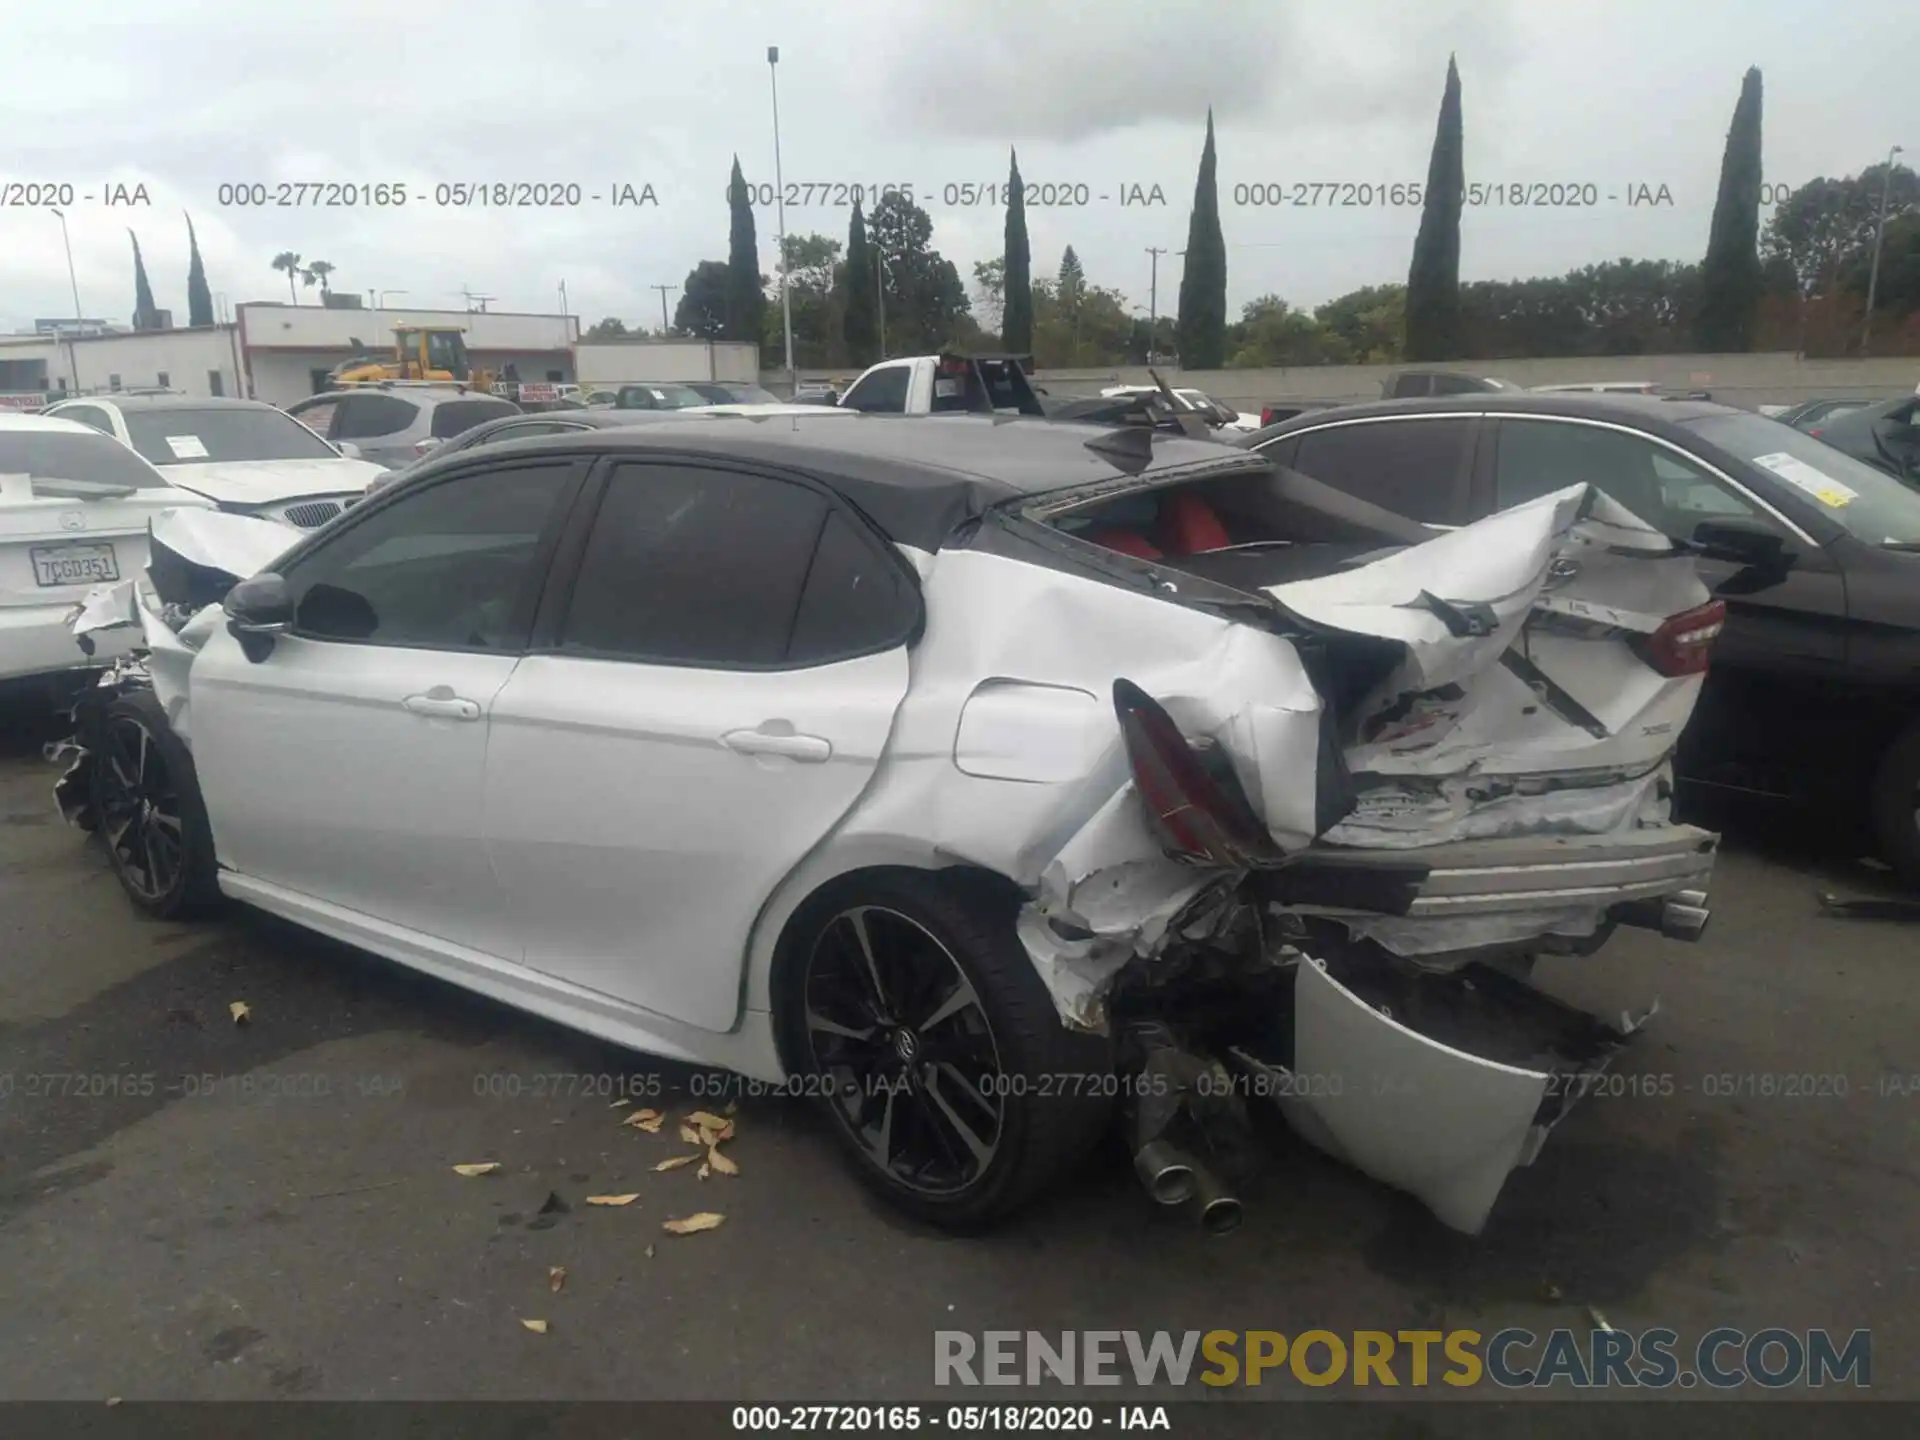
(1153,299)
(780,200)
(880,297)
(73,340)
(1879,233)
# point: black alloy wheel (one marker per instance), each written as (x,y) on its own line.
(894,1022)
(147,798)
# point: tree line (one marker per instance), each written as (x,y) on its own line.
(1798,283)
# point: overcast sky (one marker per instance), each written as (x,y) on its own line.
(183,97)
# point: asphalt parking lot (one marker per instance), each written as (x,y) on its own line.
(192,1208)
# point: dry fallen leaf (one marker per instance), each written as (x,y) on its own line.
(613,1199)
(705,1120)
(556,1278)
(652,1127)
(618,1103)
(703,1220)
(648,1120)
(721,1162)
(649,1252)
(484,1167)
(674,1162)
(704,1170)
(689,1134)
(539,1327)
(732,1106)
(241,1012)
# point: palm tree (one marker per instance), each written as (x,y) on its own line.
(319,270)
(289,261)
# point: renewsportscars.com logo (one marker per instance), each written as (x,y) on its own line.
(1721,1359)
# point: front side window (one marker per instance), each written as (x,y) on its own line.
(1663,487)
(450,567)
(1415,468)
(1869,503)
(883,392)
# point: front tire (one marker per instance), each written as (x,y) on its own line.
(1896,805)
(146,796)
(908,1006)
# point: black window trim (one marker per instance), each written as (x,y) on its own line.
(556,599)
(1462,480)
(543,559)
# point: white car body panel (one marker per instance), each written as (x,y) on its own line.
(248,484)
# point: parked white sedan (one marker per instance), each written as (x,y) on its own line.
(74,509)
(245,456)
(969,775)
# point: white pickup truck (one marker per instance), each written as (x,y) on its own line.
(944,385)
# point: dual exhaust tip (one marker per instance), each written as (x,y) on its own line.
(1173,1177)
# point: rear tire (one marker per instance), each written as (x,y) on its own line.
(1896,805)
(146,796)
(908,1006)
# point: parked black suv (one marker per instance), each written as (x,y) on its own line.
(1814,693)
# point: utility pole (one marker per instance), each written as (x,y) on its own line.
(1153,300)
(73,340)
(880,298)
(665,324)
(780,199)
(1879,233)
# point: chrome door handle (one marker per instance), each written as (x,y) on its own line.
(808,748)
(442,707)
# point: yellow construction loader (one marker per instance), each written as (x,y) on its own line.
(427,353)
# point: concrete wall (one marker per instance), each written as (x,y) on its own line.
(622,362)
(309,327)
(186,358)
(1744,380)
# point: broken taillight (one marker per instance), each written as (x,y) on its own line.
(1684,643)
(1196,814)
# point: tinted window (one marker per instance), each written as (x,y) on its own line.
(1416,468)
(658,397)
(363,416)
(450,566)
(88,415)
(317,416)
(694,567)
(523,432)
(75,455)
(1444,384)
(855,601)
(885,390)
(188,437)
(1870,503)
(457,416)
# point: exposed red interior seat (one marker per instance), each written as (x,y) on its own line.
(1189,526)
(1127,542)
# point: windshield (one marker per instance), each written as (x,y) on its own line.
(218,436)
(1870,503)
(659,397)
(54,455)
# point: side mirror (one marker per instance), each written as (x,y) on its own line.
(257,610)
(348,449)
(1743,541)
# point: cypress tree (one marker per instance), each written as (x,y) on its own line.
(1433,280)
(1016,325)
(746,299)
(1201,330)
(145,313)
(857,324)
(1730,281)
(199,297)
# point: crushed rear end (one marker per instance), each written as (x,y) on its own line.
(1340,852)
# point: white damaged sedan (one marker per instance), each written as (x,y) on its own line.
(990,780)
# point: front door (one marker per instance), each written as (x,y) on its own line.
(347,765)
(713,700)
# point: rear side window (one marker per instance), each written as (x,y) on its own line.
(884,391)
(316,417)
(1415,468)
(725,570)
(364,416)
(458,416)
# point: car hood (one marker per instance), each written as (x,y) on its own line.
(266,482)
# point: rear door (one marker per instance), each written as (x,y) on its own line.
(708,694)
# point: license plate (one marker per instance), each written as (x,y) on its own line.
(73,564)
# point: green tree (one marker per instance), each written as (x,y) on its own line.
(1730,278)
(857,326)
(607,329)
(199,297)
(1271,332)
(1073,278)
(1433,279)
(289,261)
(1898,293)
(815,292)
(1826,226)
(1202,325)
(990,280)
(1016,273)
(924,297)
(746,298)
(1367,326)
(146,315)
(702,311)
(316,273)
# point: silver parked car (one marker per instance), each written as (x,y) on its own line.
(395,424)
